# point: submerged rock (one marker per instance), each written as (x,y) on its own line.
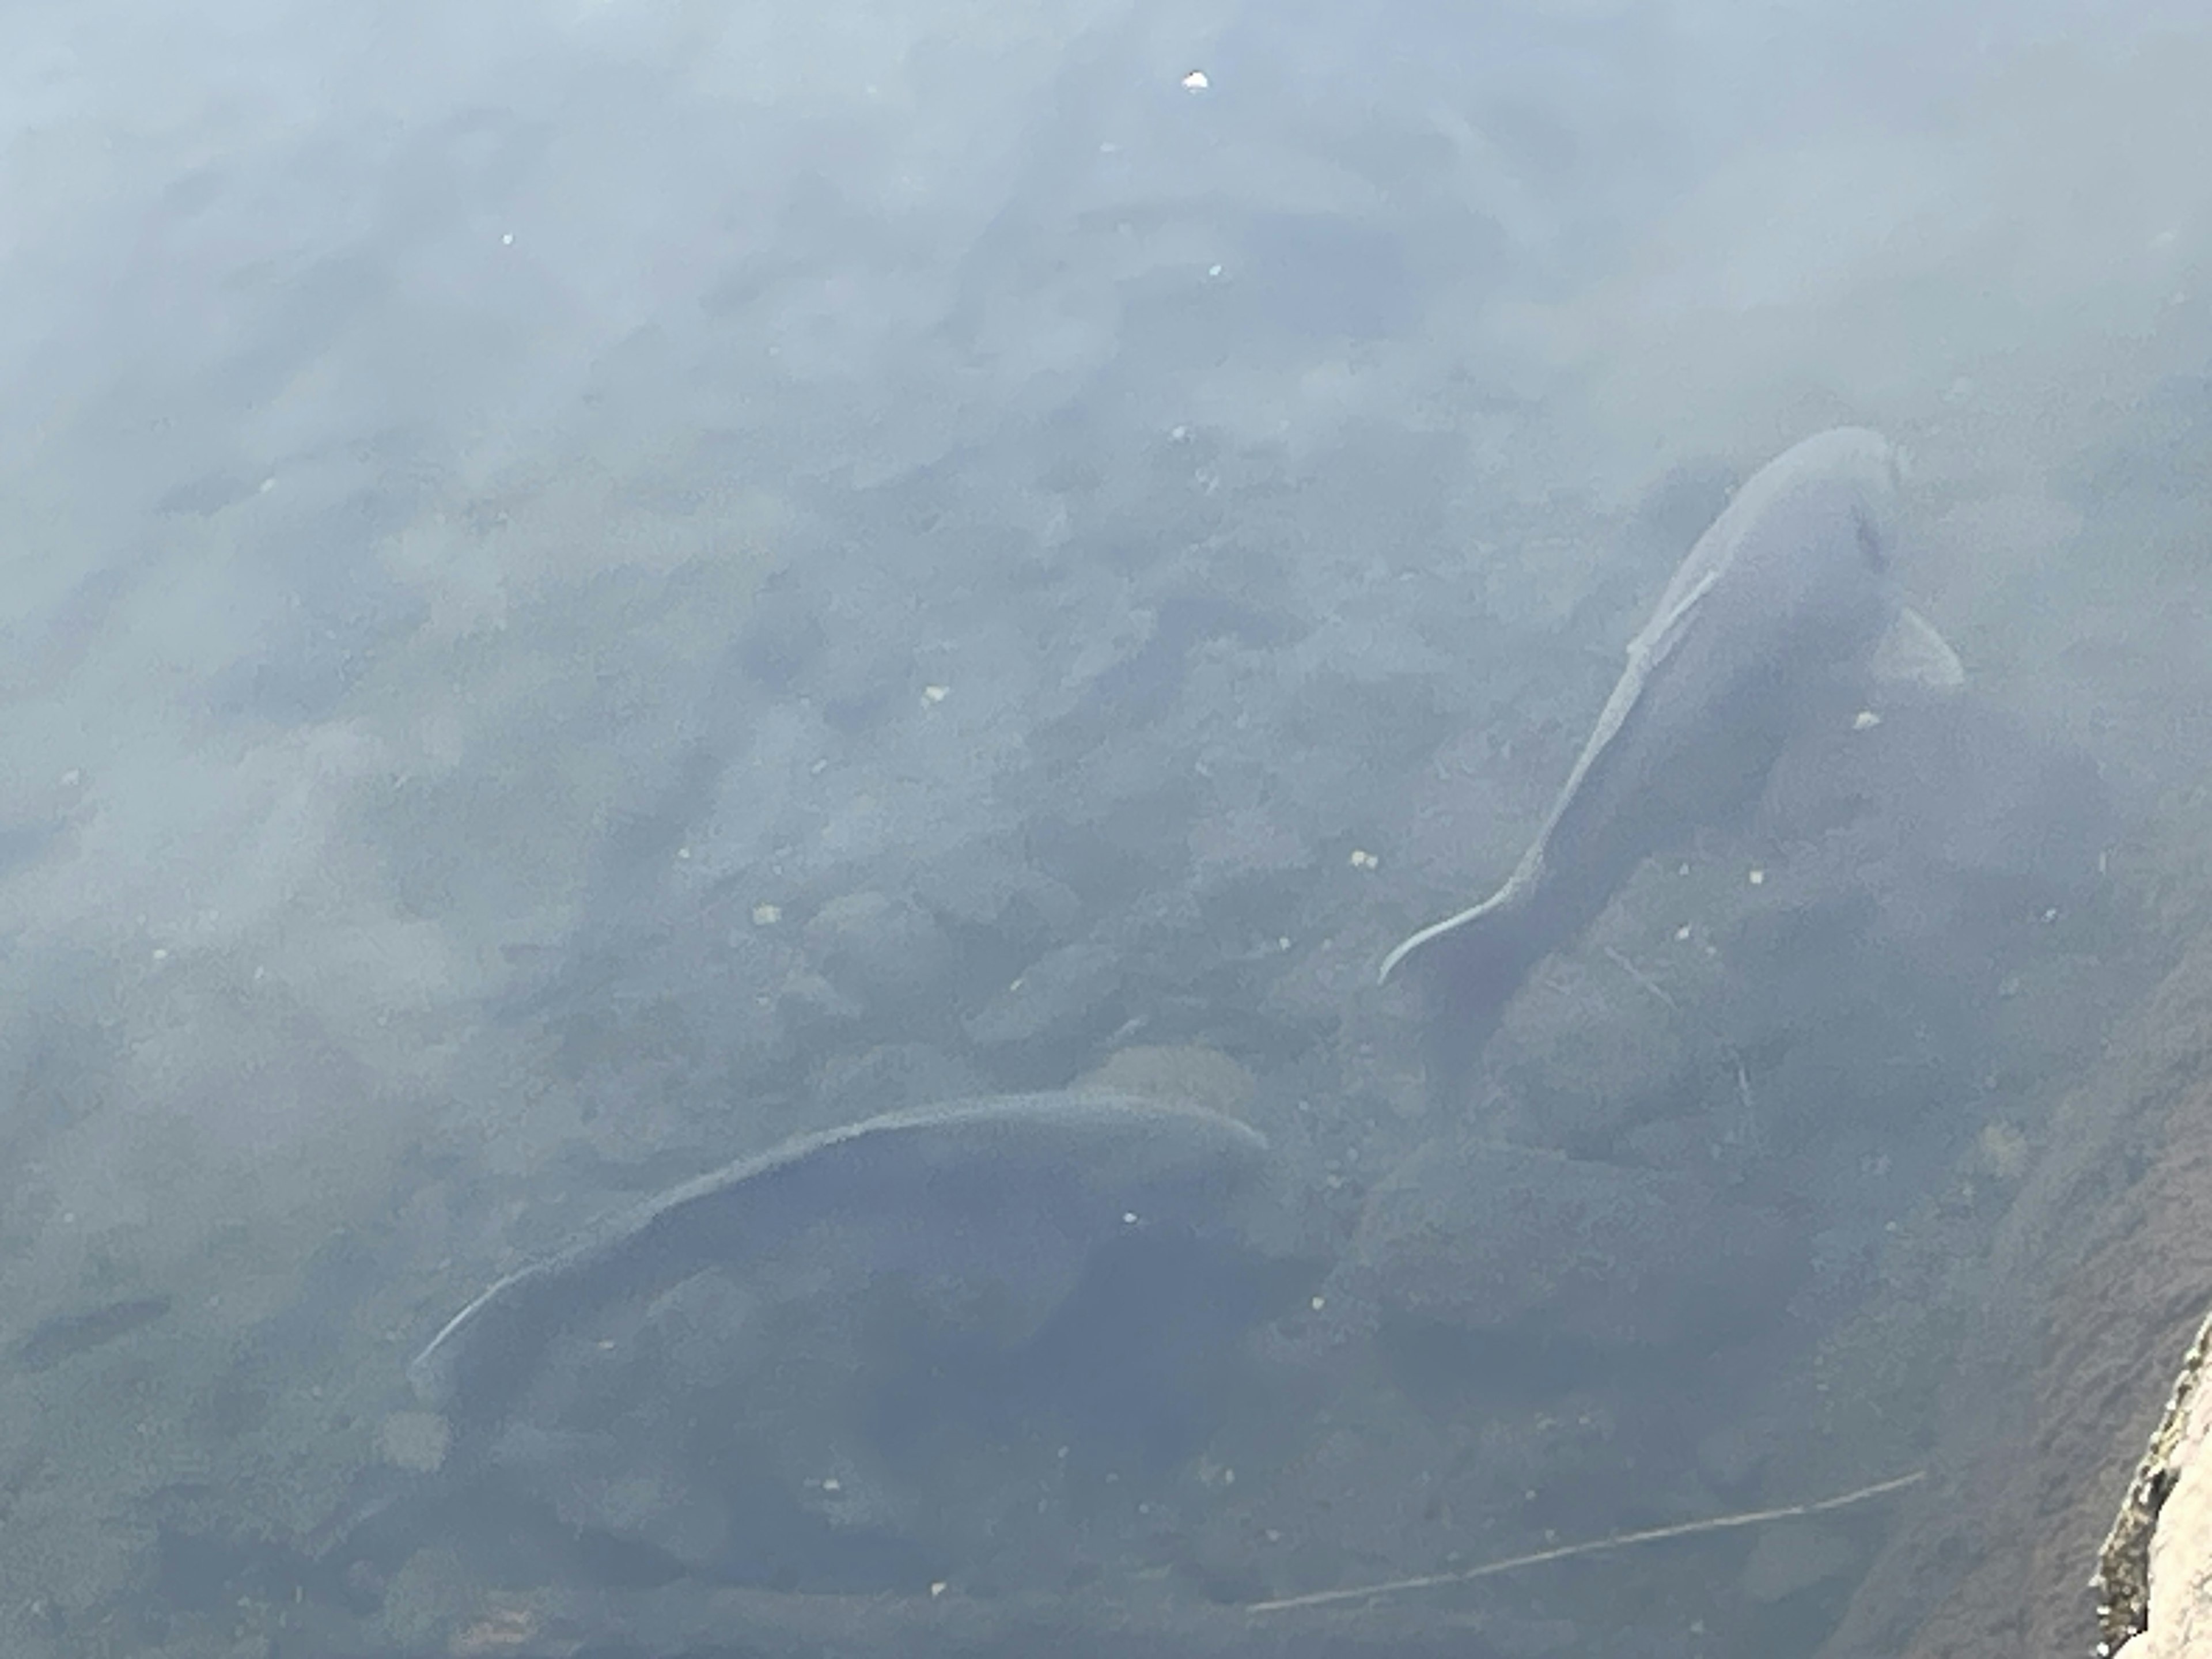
(1535,1253)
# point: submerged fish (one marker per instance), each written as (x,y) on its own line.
(1010,1184)
(1781,616)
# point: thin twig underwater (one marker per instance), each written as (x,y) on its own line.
(1588,1546)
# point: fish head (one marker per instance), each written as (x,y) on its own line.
(1854,479)
(1856,549)
(1819,540)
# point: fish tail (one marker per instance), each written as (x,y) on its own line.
(1469,966)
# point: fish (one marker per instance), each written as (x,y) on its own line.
(1010,1184)
(1785,613)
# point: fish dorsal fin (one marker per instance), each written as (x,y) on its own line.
(1658,640)
(1913,653)
(1659,637)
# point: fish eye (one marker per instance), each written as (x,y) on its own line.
(1871,547)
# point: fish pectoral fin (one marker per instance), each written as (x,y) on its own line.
(1913,653)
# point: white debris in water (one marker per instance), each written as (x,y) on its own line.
(1363,859)
(1757,879)
(935,693)
(767,915)
(1865,721)
(1195,81)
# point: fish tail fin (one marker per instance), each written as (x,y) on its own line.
(1469,967)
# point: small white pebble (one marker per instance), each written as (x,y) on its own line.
(1195,81)
(1757,879)
(935,693)
(507,241)
(1318,1303)
(937,1590)
(1213,271)
(1865,721)
(1128,1217)
(1682,932)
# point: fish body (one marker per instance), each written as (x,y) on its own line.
(1778,618)
(1006,1183)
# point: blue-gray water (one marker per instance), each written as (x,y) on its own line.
(590,588)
